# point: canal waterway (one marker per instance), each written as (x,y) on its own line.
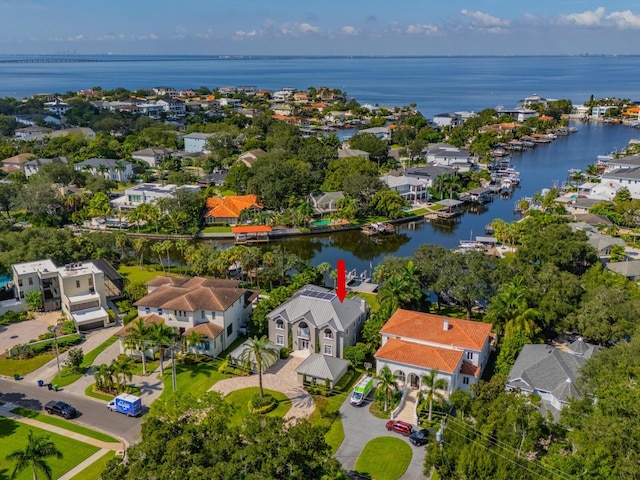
(540,168)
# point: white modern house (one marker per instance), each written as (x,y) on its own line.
(149,193)
(109,168)
(77,288)
(445,155)
(415,343)
(411,189)
(196,142)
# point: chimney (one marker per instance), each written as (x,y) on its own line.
(445,324)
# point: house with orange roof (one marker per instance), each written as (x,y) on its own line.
(227,209)
(415,343)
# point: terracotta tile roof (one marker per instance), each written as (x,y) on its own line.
(210,330)
(191,299)
(429,328)
(423,356)
(17,159)
(469,368)
(230,207)
(148,321)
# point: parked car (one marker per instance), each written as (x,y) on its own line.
(419,437)
(399,426)
(61,409)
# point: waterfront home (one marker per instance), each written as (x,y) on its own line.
(600,111)
(627,177)
(449,119)
(77,288)
(580,205)
(550,372)
(227,209)
(410,188)
(446,155)
(250,157)
(152,156)
(519,114)
(429,173)
(33,166)
(599,191)
(149,193)
(352,152)
(314,320)
(534,99)
(631,161)
(196,142)
(325,202)
(415,343)
(16,163)
(109,168)
(213,307)
(383,133)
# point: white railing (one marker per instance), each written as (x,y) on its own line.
(400,406)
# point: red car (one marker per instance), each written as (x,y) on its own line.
(399,426)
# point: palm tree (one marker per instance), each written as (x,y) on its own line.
(122,369)
(194,339)
(387,383)
(138,335)
(432,384)
(161,335)
(38,448)
(119,168)
(260,352)
(104,377)
(140,245)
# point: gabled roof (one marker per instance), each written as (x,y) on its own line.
(418,355)
(209,330)
(430,328)
(546,368)
(17,159)
(319,307)
(188,282)
(230,207)
(323,366)
(148,320)
(629,268)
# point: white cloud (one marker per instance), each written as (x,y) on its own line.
(586,19)
(624,20)
(419,29)
(484,20)
(243,34)
(349,30)
(77,38)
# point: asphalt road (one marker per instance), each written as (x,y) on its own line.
(93,413)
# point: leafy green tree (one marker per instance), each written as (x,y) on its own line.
(260,353)
(389,203)
(74,359)
(356,354)
(34,300)
(34,456)
(378,149)
(340,171)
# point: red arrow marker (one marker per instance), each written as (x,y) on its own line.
(341,287)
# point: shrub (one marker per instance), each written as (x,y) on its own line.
(112,315)
(285,352)
(68,327)
(262,405)
(129,317)
(45,336)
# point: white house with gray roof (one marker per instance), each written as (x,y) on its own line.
(315,320)
(550,372)
(109,168)
(318,368)
(196,142)
(446,155)
(325,202)
(411,189)
(628,176)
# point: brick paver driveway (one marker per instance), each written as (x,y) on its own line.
(282,378)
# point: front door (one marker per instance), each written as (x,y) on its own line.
(304,344)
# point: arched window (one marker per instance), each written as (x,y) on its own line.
(303,330)
(279,325)
(328,334)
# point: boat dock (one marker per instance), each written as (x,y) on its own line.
(360,282)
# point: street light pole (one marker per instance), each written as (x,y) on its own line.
(54,329)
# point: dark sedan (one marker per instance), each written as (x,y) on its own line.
(419,437)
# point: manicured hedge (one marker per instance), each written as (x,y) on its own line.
(31,349)
(262,405)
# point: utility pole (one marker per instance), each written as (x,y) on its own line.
(173,368)
(54,329)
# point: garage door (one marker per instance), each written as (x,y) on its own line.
(91,326)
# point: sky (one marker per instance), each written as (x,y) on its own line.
(327,27)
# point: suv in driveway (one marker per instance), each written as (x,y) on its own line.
(60,408)
(419,437)
(399,426)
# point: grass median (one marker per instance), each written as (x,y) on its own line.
(384,458)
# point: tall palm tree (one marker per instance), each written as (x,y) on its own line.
(260,352)
(387,383)
(103,376)
(39,447)
(138,334)
(161,335)
(194,339)
(123,371)
(432,384)
(140,245)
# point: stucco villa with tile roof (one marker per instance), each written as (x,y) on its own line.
(414,343)
(227,209)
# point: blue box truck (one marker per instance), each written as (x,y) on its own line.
(128,404)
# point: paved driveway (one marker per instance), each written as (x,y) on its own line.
(281,378)
(22,332)
(360,427)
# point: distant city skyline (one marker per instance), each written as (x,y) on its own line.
(290,27)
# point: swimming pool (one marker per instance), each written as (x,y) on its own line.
(321,223)
(4,280)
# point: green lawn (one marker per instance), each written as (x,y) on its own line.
(10,366)
(219,229)
(372,301)
(151,365)
(240,399)
(384,458)
(66,378)
(13,436)
(59,422)
(194,379)
(134,274)
(93,471)
(417,211)
(335,435)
